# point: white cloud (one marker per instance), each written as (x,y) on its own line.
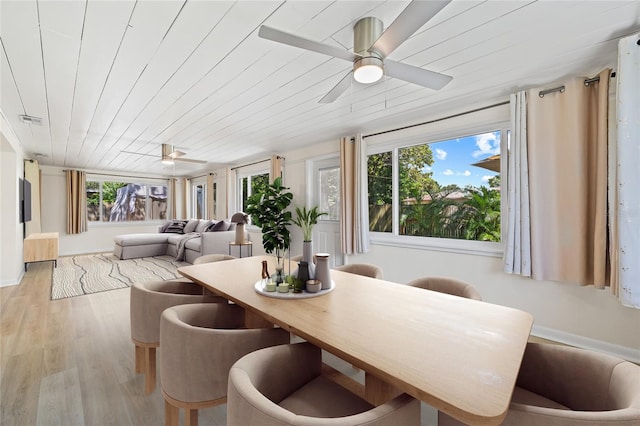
(441,154)
(486,178)
(487,145)
(465,173)
(448,172)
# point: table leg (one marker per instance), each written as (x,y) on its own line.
(378,392)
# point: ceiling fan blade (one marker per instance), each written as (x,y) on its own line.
(415,15)
(337,90)
(189,160)
(175,154)
(431,79)
(303,43)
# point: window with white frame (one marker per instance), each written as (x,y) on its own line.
(250,184)
(125,201)
(199,201)
(443,186)
(327,178)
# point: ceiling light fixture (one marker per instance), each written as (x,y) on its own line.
(368,69)
(167,158)
(28,119)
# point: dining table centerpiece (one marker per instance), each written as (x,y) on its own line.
(268,210)
(306,220)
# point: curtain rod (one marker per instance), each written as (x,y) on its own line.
(437,119)
(117,175)
(560,89)
(208,174)
(257,162)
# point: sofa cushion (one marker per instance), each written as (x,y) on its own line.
(221,225)
(193,244)
(191,226)
(176,227)
(202,225)
(128,240)
(174,238)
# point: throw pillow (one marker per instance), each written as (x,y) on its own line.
(202,225)
(191,226)
(176,227)
(164,227)
(222,225)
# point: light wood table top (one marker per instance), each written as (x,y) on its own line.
(458,355)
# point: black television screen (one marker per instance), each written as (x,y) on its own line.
(25,200)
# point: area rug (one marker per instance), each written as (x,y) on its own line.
(93,273)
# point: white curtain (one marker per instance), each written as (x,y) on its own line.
(354,219)
(211,202)
(628,173)
(517,252)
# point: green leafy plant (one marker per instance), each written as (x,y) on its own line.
(306,219)
(268,210)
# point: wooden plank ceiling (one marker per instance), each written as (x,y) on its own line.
(112,76)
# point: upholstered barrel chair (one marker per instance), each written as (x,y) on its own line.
(283,385)
(448,286)
(148,300)
(198,345)
(364,269)
(565,386)
(210,258)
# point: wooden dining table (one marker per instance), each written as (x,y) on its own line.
(458,355)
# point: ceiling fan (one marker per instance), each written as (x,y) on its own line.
(169,156)
(371,46)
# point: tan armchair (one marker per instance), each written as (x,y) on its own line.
(364,269)
(283,385)
(565,386)
(198,345)
(148,300)
(210,258)
(448,286)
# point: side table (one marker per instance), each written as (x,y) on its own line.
(248,244)
(41,247)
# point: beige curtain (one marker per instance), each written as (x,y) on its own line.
(276,168)
(172,198)
(567,154)
(354,208)
(76,202)
(211,207)
(32,174)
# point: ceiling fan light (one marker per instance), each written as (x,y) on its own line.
(368,70)
(166,160)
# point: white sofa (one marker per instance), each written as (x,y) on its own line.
(197,242)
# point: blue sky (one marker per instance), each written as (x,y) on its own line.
(453,159)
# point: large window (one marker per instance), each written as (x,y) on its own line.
(109,201)
(329,192)
(249,185)
(199,201)
(444,189)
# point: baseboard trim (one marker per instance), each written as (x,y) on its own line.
(570,339)
(10,282)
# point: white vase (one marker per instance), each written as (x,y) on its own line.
(307,256)
(323,273)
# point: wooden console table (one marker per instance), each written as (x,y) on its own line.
(41,247)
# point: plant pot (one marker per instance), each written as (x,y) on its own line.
(307,256)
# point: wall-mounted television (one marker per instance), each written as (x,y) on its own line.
(24,193)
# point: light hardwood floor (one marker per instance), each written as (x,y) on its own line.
(70,361)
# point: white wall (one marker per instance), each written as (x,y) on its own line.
(11,230)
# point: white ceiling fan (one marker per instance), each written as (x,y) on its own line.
(169,155)
(371,46)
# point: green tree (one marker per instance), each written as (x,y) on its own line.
(478,218)
(494,181)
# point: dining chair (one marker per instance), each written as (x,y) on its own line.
(364,269)
(448,286)
(284,385)
(198,345)
(148,300)
(565,386)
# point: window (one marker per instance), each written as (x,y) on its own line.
(109,201)
(249,185)
(199,201)
(329,192)
(444,189)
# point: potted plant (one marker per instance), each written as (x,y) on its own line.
(268,210)
(306,219)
